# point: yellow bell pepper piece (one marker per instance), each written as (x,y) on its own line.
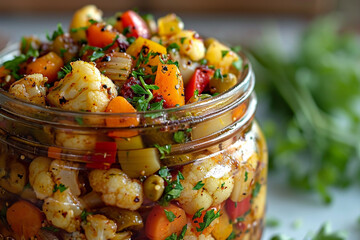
(223,228)
(146,46)
(220,56)
(169,25)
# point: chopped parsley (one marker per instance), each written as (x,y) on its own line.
(61,187)
(74,30)
(197,214)
(56,33)
(231,236)
(246,176)
(64,71)
(84,215)
(181,235)
(182,40)
(237,64)
(169,215)
(79,120)
(166,149)
(14,64)
(198,185)
(50,228)
(173,46)
(236,49)
(256,190)
(272,222)
(224,53)
(218,75)
(173,188)
(203,61)
(209,217)
(179,137)
(97,52)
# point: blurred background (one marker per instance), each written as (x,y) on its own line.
(306,57)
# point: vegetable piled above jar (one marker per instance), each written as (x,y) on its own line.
(131,64)
(120,178)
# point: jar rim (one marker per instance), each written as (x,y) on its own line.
(242,89)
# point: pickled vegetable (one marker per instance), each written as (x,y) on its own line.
(124,219)
(154,187)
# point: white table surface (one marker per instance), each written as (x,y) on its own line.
(284,203)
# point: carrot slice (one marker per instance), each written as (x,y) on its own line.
(170,83)
(121,105)
(48,65)
(158,226)
(24,218)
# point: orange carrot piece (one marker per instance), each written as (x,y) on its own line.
(121,105)
(158,226)
(97,36)
(54,152)
(24,219)
(171,87)
(48,65)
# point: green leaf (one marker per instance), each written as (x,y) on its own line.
(224,53)
(272,222)
(182,40)
(84,215)
(236,49)
(139,89)
(179,137)
(173,46)
(256,189)
(209,217)
(56,33)
(246,176)
(61,187)
(231,236)
(197,214)
(170,215)
(50,228)
(166,149)
(237,64)
(198,185)
(217,74)
(79,120)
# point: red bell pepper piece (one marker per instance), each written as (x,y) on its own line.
(104,155)
(199,81)
(136,25)
(238,209)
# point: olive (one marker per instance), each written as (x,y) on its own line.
(219,85)
(154,187)
(124,219)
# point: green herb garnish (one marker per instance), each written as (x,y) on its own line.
(224,53)
(169,215)
(173,188)
(198,185)
(56,33)
(61,187)
(197,214)
(209,217)
(166,149)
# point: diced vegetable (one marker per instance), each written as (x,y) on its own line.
(258,205)
(158,226)
(124,219)
(116,66)
(141,47)
(199,81)
(238,209)
(48,65)
(24,219)
(121,105)
(65,47)
(104,155)
(170,83)
(80,21)
(222,83)
(170,25)
(98,36)
(220,56)
(190,44)
(132,25)
(154,187)
(223,228)
(244,179)
(129,143)
(141,162)
(211,126)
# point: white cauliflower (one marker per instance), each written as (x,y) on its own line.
(190,44)
(75,140)
(186,66)
(63,210)
(41,178)
(83,89)
(216,173)
(13,177)
(30,88)
(116,188)
(99,227)
(44,174)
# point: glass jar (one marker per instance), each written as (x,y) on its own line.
(197,171)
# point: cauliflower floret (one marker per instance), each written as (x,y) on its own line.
(186,66)
(99,227)
(216,173)
(30,88)
(190,44)
(83,89)
(75,140)
(44,173)
(117,188)
(63,210)
(40,177)
(14,177)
